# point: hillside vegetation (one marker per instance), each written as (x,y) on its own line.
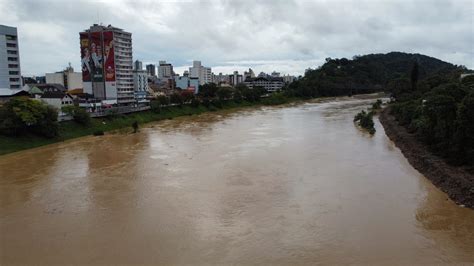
(365,74)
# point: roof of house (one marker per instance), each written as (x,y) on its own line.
(35,90)
(49,87)
(53,95)
(12,92)
(75,91)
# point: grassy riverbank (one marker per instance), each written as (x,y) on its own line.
(70,130)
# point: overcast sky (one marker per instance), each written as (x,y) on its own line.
(286,36)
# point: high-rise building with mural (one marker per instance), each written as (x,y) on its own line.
(106,60)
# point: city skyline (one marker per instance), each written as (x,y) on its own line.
(286,36)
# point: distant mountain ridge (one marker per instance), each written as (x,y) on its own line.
(367,73)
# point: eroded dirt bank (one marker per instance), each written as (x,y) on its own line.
(454,181)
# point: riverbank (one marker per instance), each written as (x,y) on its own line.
(70,129)
(454,181)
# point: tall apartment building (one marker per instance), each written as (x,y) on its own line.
(165,70)
(10,74)
(236,78)
(140,84)
(106,56)
(151,70)
(138,65)
(204,74)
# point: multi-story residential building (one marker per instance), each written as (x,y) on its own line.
(182,82)
(68,78)
(186,83)
(235,78)
(275,74)
(249,74)
(10,74)
(269,83)
(165,70)
(106,56)
(138,65)
(204,74)
(194,83)
(288,79)
(222,79)
(140,84)
(151,70)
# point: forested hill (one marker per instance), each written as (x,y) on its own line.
(365,74)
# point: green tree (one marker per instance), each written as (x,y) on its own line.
(187,96)
(464,135)
(224,93)
(440,112)
(80,115)
(208,90)
(23,115)
(176,98)
(414,76)
(163,100)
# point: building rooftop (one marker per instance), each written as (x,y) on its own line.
(97,27)
(53,95)
(7,30)
(12,92)
(49,87)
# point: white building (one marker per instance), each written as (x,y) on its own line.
(204,74)
(270,84)
(138,65)
(68,78)
(106,56)
(57,100)
(10,74)
(288,79)
(235,78)
(165,70)
(140,84)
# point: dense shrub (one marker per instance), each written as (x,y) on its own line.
(365,120)
(275,99)
(23,115)
(155,106)
(441,113)
(80,115)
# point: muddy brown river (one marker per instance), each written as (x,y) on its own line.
(274,185)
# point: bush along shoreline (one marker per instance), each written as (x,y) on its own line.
(365,119)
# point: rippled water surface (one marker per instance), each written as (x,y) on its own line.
(289,185)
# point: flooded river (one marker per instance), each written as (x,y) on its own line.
(275,185)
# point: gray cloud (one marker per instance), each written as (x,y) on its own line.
(286,36)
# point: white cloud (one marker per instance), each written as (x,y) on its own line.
(286,36)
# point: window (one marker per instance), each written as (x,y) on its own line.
(11,37)
(11,45)
(13,59)
(12,52)
(14,79)
(12,66)
(14,86)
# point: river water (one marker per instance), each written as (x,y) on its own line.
(288,185)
